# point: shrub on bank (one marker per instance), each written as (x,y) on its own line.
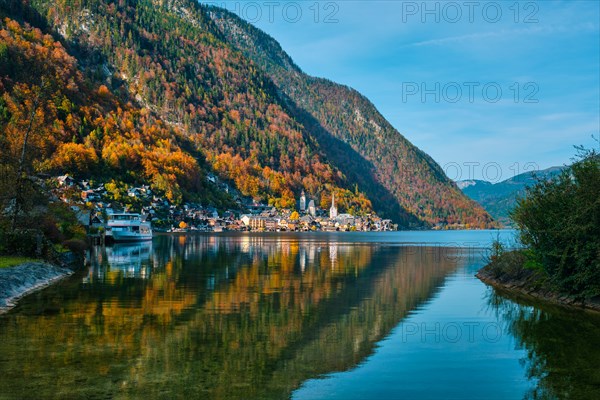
(75,245)
(559,225)
(22,243)
(515,267)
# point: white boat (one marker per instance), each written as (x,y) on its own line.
(128,227)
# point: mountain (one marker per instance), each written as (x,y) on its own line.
(394,173)
(148,93)
(158,92)
(500,198)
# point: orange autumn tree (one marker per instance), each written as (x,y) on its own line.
(80,129)
(190,88)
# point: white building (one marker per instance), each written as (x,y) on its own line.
(333,212)
(346,219)
(303,202)
(312,209)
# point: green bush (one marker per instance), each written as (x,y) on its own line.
(559,223)
(76,245)
(22,243)
(508,265)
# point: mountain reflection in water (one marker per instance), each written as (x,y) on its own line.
(242,316)
(223,317)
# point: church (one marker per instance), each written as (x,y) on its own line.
(309,207)
(333,211)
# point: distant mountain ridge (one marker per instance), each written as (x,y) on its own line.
(462,185)
(500,198)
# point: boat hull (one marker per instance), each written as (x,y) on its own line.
(130,236)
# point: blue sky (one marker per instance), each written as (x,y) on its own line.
(434,70)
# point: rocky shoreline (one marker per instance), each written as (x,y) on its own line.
(529,286)
(17,282)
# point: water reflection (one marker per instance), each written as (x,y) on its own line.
(131,260)
(562,346)
(208,316)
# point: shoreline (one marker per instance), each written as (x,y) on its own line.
(527,288)
(158,232)
(24,279)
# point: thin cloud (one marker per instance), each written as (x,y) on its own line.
(505,33)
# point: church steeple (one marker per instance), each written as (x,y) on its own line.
(302,201)
(333,210)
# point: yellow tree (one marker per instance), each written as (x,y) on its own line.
(24,126)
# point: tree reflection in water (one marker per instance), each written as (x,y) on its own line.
(218,317)
(562,345)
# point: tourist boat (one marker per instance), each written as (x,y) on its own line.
(127,227)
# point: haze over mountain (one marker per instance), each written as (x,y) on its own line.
(164,92)
(500,198)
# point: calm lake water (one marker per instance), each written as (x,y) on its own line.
(305,316)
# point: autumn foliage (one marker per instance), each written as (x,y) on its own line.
(142,91)
(152,106)
(402,181)
(73,129)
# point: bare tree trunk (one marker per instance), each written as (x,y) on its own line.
(21,170)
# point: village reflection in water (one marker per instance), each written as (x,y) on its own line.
(227,316)
(253,316)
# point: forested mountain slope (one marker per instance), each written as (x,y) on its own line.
(392,171)
(155,91)
(164,61)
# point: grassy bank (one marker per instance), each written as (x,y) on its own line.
(12,261)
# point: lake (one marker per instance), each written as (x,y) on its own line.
(395,315)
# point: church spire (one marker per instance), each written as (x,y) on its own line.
(333,210)
(302,201)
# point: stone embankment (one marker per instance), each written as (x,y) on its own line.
(17,282)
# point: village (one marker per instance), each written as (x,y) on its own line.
(93,203)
